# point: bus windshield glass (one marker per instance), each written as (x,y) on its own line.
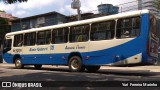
(7,45)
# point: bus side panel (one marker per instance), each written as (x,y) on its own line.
(8,57)
(129,48)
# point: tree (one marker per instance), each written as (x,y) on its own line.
(157,4)
(12,1)
(3,25)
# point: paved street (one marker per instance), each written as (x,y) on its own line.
(62,73)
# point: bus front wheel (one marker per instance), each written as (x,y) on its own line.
(92,68)
(75,64)
(38,66)
(18,64)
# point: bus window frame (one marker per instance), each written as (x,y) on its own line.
(105,31)
(45,37)
(77,41)
(131,27)
(35,39)
(21,42)
(57,29)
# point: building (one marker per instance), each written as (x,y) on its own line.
(148,4)
(3,14)
(108,9)
(47,19)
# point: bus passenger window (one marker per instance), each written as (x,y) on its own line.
(79,33)
(18,40)
(102,30)
(48,37)
(41,38)
(136,27)
(128,27)
(44,37)
(60,35)
(29,39)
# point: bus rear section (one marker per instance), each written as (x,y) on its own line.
(153,41)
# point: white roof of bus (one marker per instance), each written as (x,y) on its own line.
(88,21)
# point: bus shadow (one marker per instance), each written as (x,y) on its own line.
(102,71)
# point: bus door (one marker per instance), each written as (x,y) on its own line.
(153,37)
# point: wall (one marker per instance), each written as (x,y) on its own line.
(27,23)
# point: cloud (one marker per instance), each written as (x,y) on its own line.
(34,7)
(21,13)
(7,7)
(31,4)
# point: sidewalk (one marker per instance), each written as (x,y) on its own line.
(135,68)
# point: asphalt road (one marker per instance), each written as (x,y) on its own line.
(62,73)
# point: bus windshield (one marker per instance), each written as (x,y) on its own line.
(7,45)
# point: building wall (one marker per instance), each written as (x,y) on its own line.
(148,4)
(37,21)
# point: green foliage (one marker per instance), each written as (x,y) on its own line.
(3,25)
(3,21)
(2,11)
(13,1)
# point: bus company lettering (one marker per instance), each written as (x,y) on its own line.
(75,47)
(80,47)
(17,50)
(67,47)
(42,49)
(38,49)
(32,49)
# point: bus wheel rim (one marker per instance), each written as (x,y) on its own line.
(18,63)
(74,64)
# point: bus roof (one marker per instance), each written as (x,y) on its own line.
(87,21)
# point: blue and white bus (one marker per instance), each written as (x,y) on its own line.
(120,39)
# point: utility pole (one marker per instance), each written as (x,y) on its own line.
(76,4)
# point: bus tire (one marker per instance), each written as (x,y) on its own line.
(75,64)
(38,66)
(18,63)
(92,68)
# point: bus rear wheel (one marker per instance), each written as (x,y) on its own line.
(75,64)
(92,68)
(18,64)
(38,66)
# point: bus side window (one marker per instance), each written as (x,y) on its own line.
(79,33)
(102,30)
(29,39)
(18,40)
(128,27)
(60,35)
(135,27)
(48,37)
(41,38)
(44,37)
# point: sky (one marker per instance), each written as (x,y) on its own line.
(35,7)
